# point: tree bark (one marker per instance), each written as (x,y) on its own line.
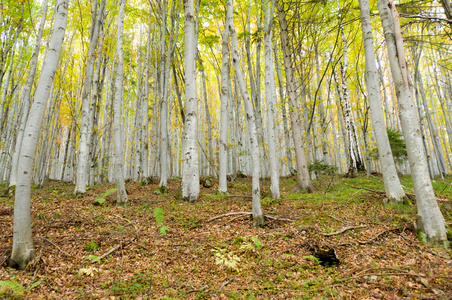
(270,92)
(224,99)
(23,250)
(117,105)
(190,175)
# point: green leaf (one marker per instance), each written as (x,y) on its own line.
(257,243)
(159,215)
(100,200)
(16,288)
(93,258)
(163,230)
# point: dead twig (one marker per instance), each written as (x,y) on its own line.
(233,219)
(374,238)
(229,214)
(129,222)
(344,230)
(56,246)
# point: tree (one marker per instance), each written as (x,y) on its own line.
(26,95)
(224,99)
(190,172)
(258,217)
(23,249)
(394,190)
(119,143)
(303,180)
(270,91)
(430,221)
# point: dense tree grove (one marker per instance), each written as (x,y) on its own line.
(192,88)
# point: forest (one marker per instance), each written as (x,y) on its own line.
(225,149)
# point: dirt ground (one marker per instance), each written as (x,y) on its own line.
(340,242)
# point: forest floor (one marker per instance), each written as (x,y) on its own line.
(340,242)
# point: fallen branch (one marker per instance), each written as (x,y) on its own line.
(243,213)
(363,188)
(240,196)
(279,219)
(229,214)
(344,230)
(108,252)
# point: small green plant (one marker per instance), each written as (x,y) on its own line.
(11,288)
(104,195)
(312,257)
(161,190)
(159,217)
(228,259)
(93,258)
(91,246)
(257,243)
(319,167)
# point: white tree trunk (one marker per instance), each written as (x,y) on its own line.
(224,99)
(190,172)
(117,105)
(429,218)
(270,92)
(25,96)
(394,191)
(23,250)
(258,217)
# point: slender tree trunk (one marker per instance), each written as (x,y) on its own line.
(190,172)
(25,96)
(258,217)
(117,105)
(429,218)
(303,182)
(356,162)
(270,91)
(23,250)
(224,99)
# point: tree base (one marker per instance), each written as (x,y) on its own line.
(432,240)
(258,221)
(20,258)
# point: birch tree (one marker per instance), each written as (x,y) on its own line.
(23,249)
(190,172)
(119,82)
(224,101)
(258,217)
(429,218)
(270,92)
(26,95)
(394,191)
